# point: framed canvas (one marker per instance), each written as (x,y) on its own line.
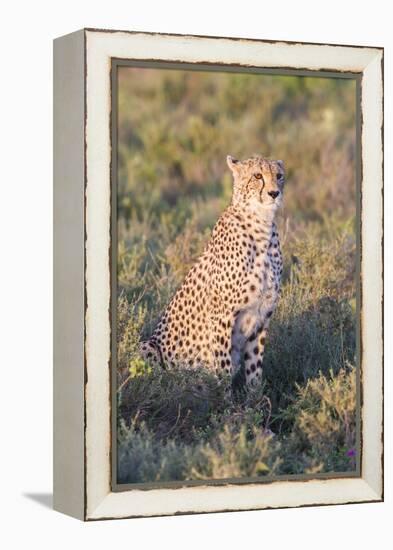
(218,274)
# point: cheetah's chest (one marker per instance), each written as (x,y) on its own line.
(262,290)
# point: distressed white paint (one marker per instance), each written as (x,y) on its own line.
(233,497)
(101,502)
(372,271)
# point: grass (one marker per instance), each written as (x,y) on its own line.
(175,129)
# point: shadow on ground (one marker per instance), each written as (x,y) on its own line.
(45,499)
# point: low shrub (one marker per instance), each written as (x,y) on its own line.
(323,437)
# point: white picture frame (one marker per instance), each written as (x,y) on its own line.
(82,257)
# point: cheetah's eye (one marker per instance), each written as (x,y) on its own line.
(280,177)
(258,176)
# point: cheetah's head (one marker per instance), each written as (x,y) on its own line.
(258,182)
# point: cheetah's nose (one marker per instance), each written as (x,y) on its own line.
(273,194)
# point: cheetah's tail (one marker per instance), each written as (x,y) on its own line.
(150,352)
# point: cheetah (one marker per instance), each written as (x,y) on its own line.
(219,316)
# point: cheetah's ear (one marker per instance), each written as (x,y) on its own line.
(233,164)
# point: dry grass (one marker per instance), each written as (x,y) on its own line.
(175,130)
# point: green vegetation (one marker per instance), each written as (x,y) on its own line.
(175,130)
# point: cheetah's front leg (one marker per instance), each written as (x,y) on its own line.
(253,355)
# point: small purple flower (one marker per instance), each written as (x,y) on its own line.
(351,452)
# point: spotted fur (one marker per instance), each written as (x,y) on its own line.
(220,314)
